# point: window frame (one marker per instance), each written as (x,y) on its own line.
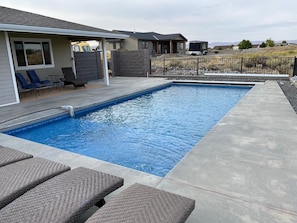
(32,40)
(181,46)
(145,44)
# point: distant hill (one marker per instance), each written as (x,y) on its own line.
(211,45)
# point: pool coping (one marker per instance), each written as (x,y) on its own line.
(213,172)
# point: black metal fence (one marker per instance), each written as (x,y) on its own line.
(192,66)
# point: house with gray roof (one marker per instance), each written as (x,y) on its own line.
(156,43)
(31,41)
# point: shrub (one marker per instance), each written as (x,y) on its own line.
(244,44)
(176,64)
(250,62)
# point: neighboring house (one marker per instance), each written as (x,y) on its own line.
(255,45)
(81,46)
(223,47)
(232,47)
(155,42)
(32,41)
(235,47)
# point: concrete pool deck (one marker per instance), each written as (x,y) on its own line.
(243,170)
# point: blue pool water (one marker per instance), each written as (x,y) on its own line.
(150,133)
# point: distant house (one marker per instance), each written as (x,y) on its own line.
(32,41)
(255,45)
(81,46)
(232,47)
(156,43)
(223,47)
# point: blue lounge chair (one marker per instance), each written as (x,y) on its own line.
(35,79)
(24,84)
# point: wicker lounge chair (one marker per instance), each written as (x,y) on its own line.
(70,78)
(140,203)
(19,177)
(8,155)
(63,198)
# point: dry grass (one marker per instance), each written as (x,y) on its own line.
(270,60)
(277,51)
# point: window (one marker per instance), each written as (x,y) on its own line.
(86,49)
(145,45)
(32,53)
(181,46)
(114,46)
(75,48)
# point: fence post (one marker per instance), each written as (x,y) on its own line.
(241,65)
(164,66)
(295,67)
(197,66)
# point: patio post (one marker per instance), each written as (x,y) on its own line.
(105,66)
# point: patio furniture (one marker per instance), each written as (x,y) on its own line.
(70,78)
(63,198)
(8,155)
(35,79)
(140,203)
(17,178)
(24,84)
(56,80)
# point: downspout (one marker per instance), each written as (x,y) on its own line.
(105,66)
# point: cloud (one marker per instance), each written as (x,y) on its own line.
(211,20)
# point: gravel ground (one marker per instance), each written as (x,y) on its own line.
(291,93)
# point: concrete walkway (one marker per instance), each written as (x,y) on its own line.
(243,170)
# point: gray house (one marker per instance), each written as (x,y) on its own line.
(156,43)
(32,41)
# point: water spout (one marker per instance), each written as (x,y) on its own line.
(68,108)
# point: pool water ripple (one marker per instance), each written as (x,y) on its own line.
(150,133)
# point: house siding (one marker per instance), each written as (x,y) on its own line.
(131,44)
(7,89)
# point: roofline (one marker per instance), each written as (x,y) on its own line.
(57,31)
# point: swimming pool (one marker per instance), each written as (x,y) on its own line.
(150,133)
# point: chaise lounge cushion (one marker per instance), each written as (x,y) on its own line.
(140,203)
(63,198)
(17,178)
(8,155)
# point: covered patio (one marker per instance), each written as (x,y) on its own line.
(31,41)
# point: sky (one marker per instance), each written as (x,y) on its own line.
(206,20)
